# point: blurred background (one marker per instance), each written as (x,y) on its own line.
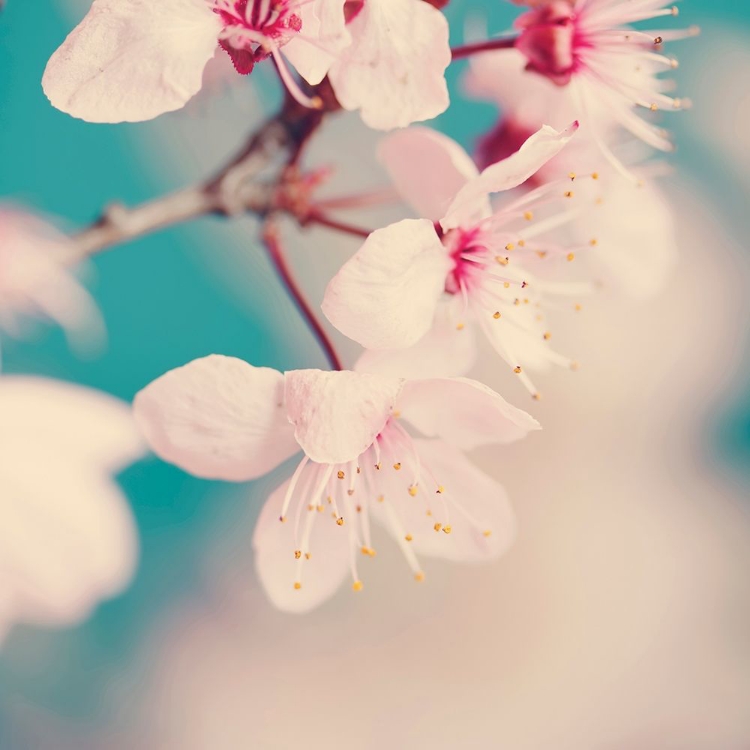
(620,619)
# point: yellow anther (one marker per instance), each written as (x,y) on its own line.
(381,498)
(297,585)
(419,577)
(429,512)
(408,537)
(487,532)
(593,242)
(319,508)
(658,40)
(521,243)
(365,550)
(297,554)
(460,327)
(357,586)
(397,466)
(447,529)
(329,500)
(536,396)
(308,555)
(570,256)
(568,193)
(509,247)
(396,413)
(506,284)
(340,474)
(541,253)
(438,526)
(359,509)
(496,315)
(517,369)
(310,507)
(578,307)
(595,175)
(440,489)
(501,260)
(378,465)
(516,301)
(547,336)
(528,215)
(575,366)
(282,519)
(339,521)
(413,490)
(526,300)
(654,107)
(572,175)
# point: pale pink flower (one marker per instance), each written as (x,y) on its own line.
(67,538)
(590,47)
(36,280)
(417,282)
(627,224)
(132,60)
(221,418)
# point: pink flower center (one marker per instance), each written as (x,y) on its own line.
(461,245)
(550,38)
(254,28)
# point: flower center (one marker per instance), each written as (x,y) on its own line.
(548,39)
(253,29)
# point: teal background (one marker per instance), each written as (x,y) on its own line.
(164,308)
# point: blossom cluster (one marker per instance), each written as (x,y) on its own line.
(557,202)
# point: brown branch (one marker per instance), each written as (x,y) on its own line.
(466,50)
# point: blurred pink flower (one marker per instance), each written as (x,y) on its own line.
(132,60)
(67,538)
(412,285)
(219,417)
(609,66)
(36,281)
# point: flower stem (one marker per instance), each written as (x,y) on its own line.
(270,235)
(466,50)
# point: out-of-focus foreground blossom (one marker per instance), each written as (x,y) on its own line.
(219,417)
(132,60)
(411,284)
(628,226)
(36,281)
(67,538)
(609,67)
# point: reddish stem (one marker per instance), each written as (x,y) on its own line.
(277,257)
(314,217)
(466,50)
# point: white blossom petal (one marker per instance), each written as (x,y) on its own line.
(394,70)
(508,173)
(337,415)
(463,412)
(132,60)
(385,296)
(217,417)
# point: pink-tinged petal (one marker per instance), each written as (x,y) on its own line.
(217,417)
(444,351)
(385,296)
(472,505)
(324,37)
(463,412)
(428,169)
(132,60)
(394,71)
(69,420)
(36,280)
(67,538)
(338,415)
(508,173)
(318,576)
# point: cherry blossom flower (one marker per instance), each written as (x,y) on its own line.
(67,538)
(36,281)
(132,60)
(416,282)
(628,225)
(590,47)
(219,417)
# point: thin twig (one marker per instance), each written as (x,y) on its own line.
(466,50)
(270,236)
(315,217)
